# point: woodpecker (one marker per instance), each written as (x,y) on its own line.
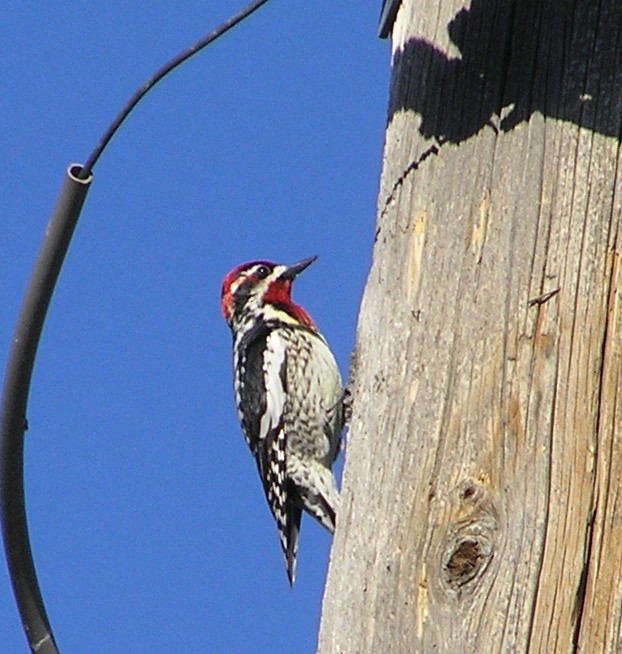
(288,394)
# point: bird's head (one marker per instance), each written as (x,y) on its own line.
(262,290)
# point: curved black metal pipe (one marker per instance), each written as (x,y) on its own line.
(14,402)
(13,423)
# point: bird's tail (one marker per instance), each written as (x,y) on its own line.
(288,534)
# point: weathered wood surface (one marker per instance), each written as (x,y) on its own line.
(482,490)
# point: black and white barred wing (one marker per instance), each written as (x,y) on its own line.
(272,449)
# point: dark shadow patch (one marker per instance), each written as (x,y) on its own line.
(560,58)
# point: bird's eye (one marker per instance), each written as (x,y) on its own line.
(262,272)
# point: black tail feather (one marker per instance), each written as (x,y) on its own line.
(290,546)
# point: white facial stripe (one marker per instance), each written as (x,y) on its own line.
(235,284)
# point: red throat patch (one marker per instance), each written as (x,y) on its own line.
(279,293)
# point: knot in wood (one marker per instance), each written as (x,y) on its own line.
(464,563)
(470,542)
(465,559)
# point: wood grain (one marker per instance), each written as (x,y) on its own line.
(481,498)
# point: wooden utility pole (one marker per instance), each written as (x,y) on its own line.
(482,504)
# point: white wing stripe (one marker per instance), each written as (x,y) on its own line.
(274,358)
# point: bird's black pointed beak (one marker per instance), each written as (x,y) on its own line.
(294,270)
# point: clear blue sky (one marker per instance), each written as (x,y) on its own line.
(148,522)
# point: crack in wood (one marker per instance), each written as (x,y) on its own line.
(578,609)
(544,298)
